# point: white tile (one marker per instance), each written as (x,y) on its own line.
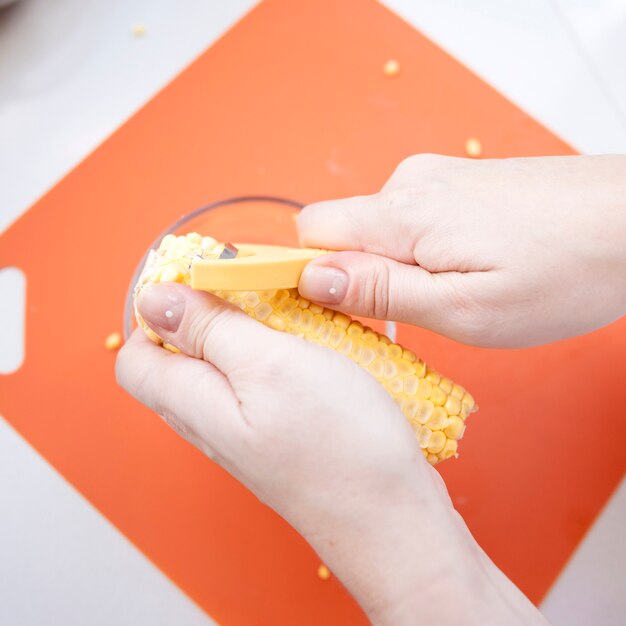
(525,50)
(592,588)
(71,72)
(64,564)
(599,28)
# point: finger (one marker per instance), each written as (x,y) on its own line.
(205,327)
(191,395)
(381,288)
(379,224)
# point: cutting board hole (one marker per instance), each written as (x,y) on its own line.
(12,319)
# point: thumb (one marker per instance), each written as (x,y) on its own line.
(377,287)
(379,224)
(204,326)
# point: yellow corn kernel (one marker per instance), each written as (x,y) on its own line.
(391,68)
(437,442)
(341,320)
(457,391)
(323,572)
(433,404)
(455,428)
(452,406)
(473,147)
(395,351)
(425,409)
(446,385)
(355,329)
(438,419)
(438,396)
(449,449)
(114,341)
(423,389)
(432,376)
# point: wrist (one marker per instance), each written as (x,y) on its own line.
(408,558)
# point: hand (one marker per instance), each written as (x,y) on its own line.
(317,439)
(500,253)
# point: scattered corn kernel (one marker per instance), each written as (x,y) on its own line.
(391,68)
(473,147)
(323,572)
(434,405)
(113,341)
(139,30)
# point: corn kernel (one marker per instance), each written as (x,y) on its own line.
(263,311)
(457,391)
(404,368)
(336,336)
(323,572)
(468,402)
(355,329)
(391,371)
(473,147)
(395,351)
(325,331)
(438,396)
(410,407)
(432,376)
(357,351)
(367,356)
(455,428)
(423,389)
(420,369)
(170,274)
(409,356)
(376,367)
(345,347)
(449,449)
(424,435)
(341,320)
(382,351)
(113,341)
(437,442)
(395,385)
(446,385)
(251,299)
(438,419)
(425,409)
(316,324)
(275,322)
(452,406)
(391,68)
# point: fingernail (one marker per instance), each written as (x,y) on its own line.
(328,285)
(162,306)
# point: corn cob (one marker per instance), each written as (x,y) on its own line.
(434,405)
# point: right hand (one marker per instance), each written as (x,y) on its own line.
(498,253)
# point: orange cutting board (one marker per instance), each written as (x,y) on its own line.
(293,102)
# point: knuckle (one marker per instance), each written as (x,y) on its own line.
(376,293)
(424,161)
(205,326)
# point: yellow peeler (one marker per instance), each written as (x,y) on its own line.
(252,267)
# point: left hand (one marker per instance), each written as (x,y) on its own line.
(315,437)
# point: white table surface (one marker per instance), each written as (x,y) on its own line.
(71,72)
